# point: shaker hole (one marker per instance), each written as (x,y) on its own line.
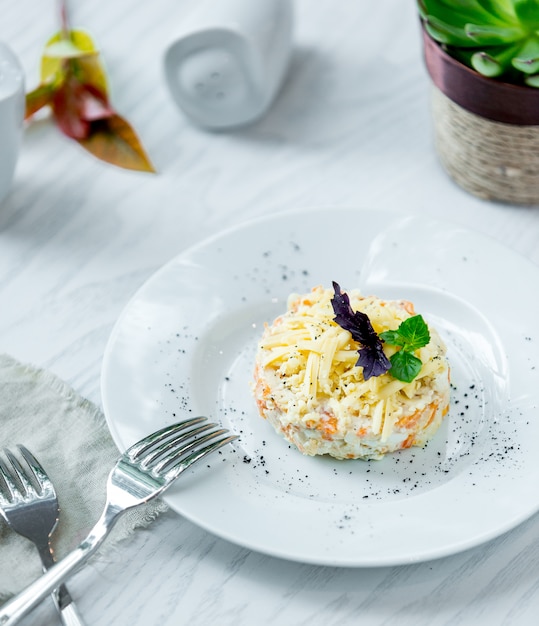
(215,75)
(220,95)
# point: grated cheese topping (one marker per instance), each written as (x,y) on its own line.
(315,359)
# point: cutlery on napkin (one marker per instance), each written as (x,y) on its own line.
(69,435)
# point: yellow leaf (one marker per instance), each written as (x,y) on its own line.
(58,48)
(65,49)
(90,71)
(113,140)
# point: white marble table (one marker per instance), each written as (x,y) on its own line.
(351,127)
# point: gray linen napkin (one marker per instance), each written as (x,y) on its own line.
(69,437)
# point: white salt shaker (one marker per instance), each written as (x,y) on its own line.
(12,105)
(226,65)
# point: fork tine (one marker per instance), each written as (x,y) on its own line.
(38,473)
(6,494)
(13,490)
(20,474)
(181,444)
(179,462)
(183,447)
(142,446)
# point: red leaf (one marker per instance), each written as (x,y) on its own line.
(67,108)
(75,104)
(94,105)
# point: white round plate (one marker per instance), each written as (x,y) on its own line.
(185,346)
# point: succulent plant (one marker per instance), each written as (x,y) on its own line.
(497,38)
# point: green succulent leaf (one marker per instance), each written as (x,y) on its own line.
(502,10)
(486,65)
(527,11)
(497,38)
(464,55)
(532,81)
(527,58)
(463,10)
(445,33)
(492,35)
(495,62)
(526,66)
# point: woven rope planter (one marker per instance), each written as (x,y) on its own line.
(486,131)
(489,159)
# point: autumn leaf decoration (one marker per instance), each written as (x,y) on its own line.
(74,85)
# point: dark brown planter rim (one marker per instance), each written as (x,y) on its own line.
(487,97)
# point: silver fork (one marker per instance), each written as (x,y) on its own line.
(33,513)
(143,472)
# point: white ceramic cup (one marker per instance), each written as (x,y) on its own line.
(228,59)
(12,103)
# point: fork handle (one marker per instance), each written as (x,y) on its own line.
(66,607)
(61,596)
(70,616)
(16,608)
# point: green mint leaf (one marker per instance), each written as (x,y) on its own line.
(404,366)
(411,335)
(393,338)
(416,332)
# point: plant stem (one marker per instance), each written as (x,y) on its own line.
(64,21)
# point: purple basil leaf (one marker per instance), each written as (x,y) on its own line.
(371,355)
(373,361)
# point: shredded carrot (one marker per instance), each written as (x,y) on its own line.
(434,406)
(411,421)
(263,392)
(408,421)
(408,442)
(327,426)
(408,306)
